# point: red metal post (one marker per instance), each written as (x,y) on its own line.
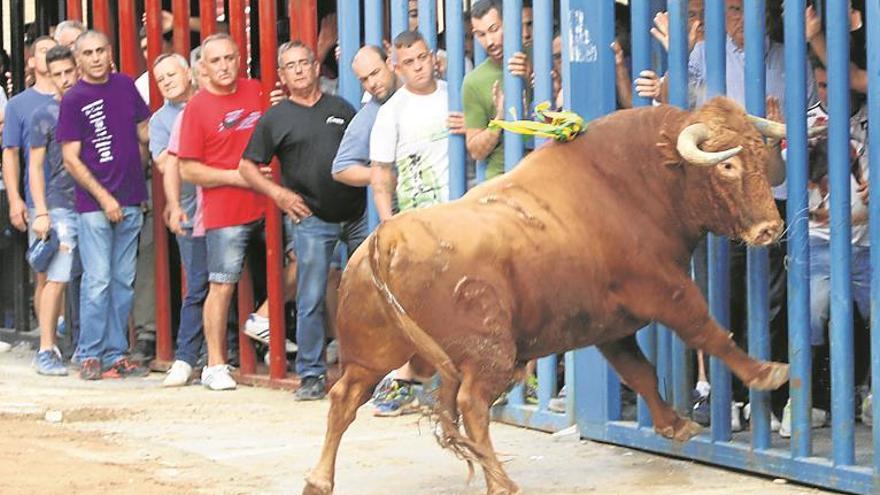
(74,10)
(208,14)
(101,16)
(128,39)
(237,24)
(246,356)
(180,9)
(164,346)
(304,22)
(274,245)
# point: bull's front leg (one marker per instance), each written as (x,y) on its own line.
(679,305)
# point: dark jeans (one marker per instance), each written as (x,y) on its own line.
(190,334)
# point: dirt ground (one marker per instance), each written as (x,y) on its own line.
(132,436)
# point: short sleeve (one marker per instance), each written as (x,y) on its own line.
(174,137)
(263,143)
(192,134)
(159,135)
(383,138)
(70,122)
(12,129)
(354,149)
(475,116)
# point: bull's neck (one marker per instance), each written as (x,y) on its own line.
(694,211)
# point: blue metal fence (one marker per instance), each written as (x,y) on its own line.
(593,400)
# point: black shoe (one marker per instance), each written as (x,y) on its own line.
(144,351)
(311,388)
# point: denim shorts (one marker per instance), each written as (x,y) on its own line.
(65,222)
(227,247)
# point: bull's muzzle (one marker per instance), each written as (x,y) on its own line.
(764,233)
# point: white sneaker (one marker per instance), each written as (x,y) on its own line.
(736,416)
(218,377)
(867,410)
(747,416)
(178,375)
(257,328)
(5,347)
(818,419)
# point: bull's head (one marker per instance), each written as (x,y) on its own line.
(734,172)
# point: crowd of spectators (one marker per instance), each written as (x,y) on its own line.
(83,138)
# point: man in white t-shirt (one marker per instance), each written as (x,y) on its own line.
(409,154)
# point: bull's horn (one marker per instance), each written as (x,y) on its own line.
(776,130)
(767,127)
(688,146)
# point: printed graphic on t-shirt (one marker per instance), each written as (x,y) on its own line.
(420,183)
(103,141)
(238,120)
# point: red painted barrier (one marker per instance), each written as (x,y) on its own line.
(164,346)
(74,10)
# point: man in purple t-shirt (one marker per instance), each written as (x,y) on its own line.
(102,128)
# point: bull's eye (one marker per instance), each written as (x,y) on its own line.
(730,169)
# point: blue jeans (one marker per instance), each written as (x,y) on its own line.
(109,255)
(314,241)
(190,335)
(65,223)
(820,285)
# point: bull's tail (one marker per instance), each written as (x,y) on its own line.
(445,412)
(426,346)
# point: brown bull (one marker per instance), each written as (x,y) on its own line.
(582,244)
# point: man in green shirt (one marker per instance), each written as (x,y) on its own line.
(482,95)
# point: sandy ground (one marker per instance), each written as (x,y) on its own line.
(131,436)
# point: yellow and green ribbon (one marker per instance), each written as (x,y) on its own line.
(561,126)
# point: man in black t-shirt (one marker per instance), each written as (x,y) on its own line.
(304,132)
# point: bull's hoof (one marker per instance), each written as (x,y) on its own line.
(317,487)
(512,490)
(682,431)
(770,377)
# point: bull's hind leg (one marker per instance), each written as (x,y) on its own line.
(347,394)
(481,384)
(629,362)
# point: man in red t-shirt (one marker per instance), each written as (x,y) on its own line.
(217,125)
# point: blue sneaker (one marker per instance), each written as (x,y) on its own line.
(398,399)
(49,363)
(61,328)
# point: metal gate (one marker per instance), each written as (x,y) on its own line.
(844,461)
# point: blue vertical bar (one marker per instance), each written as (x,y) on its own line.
(664,362)
(640,18)
(842,403)
(678,91)
(373,31)
(399,16)
(587,31)
(546,380)
(757,259)
(647,338)
(479,53)
(871,19)
(428,22)
(513,86)
(373,25)
(719,248)
(542,54)
(454,77)
(349,40)
(799,349)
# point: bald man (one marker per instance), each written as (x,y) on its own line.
(102,128)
